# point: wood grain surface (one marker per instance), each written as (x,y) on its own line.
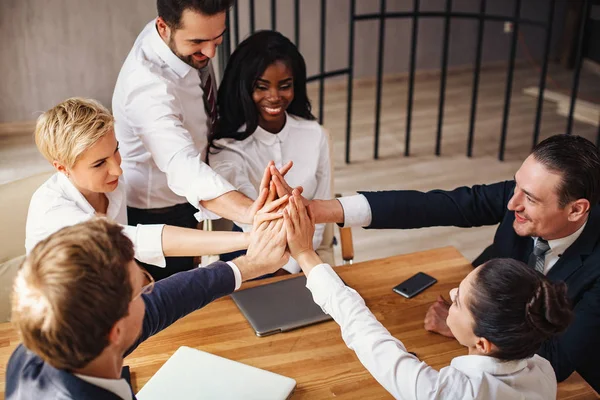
(315,356)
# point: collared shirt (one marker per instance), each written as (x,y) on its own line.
(120,387)
(404,375)
(58,203)
(242,162)
(162,129)
(558,247)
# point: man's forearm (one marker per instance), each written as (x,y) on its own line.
(231,205)
(326,211)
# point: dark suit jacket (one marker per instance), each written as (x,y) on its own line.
(29,377)
(578,348)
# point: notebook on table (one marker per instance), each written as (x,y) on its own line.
(279,306)
(194,374)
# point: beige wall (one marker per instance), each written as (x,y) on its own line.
(54,49)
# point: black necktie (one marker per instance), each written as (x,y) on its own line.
(210,100)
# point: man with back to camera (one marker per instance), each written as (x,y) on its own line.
(81,304)
(549,218)
(164,104)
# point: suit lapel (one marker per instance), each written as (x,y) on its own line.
(574,257)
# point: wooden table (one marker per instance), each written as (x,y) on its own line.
(315,356)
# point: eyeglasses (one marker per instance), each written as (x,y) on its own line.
(146,289)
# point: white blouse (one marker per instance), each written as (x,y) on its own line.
(304,142)
(404,375)
(58,203)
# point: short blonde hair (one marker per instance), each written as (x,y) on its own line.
(68,129)
(71,290)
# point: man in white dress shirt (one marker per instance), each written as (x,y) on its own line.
(164,105)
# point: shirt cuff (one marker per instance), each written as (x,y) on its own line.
(147,243)
(204,214)
(292,266)
(357,211)
(321,281)
(237,274)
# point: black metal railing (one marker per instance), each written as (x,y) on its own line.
(447,15)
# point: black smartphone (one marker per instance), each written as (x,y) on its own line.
(414,285)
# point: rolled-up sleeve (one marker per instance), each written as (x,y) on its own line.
(147,243)
(156,116)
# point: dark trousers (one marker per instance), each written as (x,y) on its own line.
(178,215)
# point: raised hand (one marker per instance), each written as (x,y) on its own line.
(267,190)
(300,226)
(281,185)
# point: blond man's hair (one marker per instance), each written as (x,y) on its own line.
(72,289)
(68,129)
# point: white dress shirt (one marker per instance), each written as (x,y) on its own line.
(58,203)
(404,375)
(162,128)
(558,247)
(243,162)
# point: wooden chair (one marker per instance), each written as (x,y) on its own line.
(325,251)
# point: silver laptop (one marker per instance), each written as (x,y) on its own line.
(279,306)
(194,374)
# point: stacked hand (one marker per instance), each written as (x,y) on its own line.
(282,226)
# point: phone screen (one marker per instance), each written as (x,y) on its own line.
(414,285)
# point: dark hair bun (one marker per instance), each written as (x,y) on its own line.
(549,311)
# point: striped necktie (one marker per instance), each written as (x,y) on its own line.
(538,255)
(210,99)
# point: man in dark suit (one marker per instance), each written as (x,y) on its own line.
(549,217)
(81,304)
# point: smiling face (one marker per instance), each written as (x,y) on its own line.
(535,203)
(273,93)
(97,170)
(195,41)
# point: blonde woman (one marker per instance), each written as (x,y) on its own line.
(78,139)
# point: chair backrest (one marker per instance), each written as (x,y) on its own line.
(325,250)
(13,215)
